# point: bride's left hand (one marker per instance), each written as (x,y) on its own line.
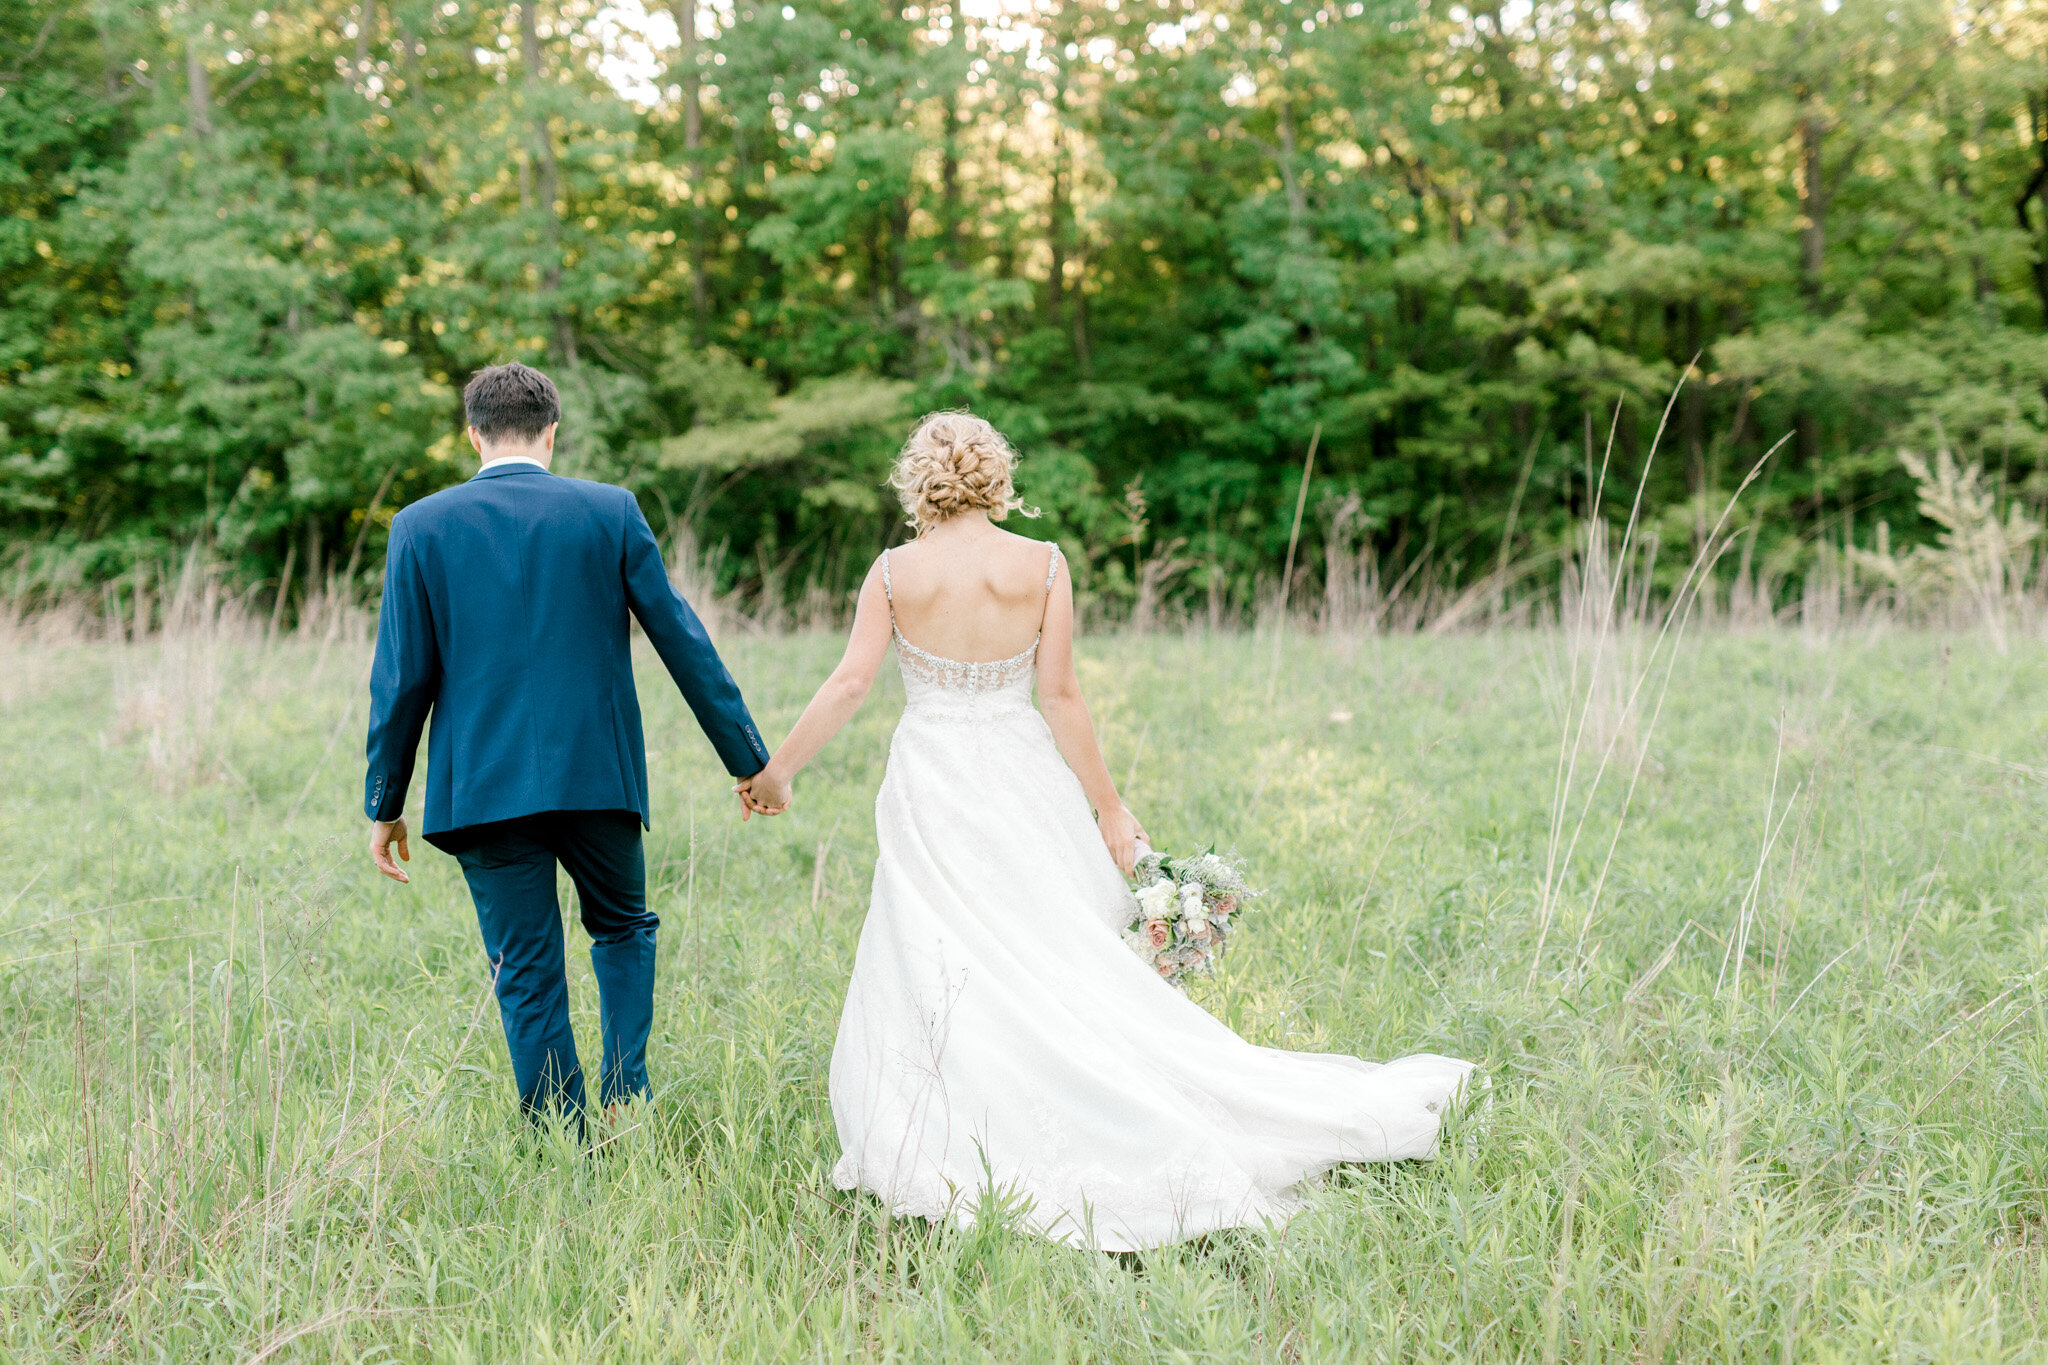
(762,794)
(1120,834)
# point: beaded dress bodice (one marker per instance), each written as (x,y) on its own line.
(936,687)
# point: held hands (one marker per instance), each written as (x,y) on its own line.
(765,793)
(383,836)
(1120,834)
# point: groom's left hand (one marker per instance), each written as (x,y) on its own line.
(759,795)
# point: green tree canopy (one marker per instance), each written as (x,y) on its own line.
(248,258)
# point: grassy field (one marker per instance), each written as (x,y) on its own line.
(1772,1089)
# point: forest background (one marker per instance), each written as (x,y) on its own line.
(249,256)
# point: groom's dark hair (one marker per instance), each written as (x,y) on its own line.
(511,400)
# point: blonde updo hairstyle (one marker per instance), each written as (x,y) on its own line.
(955,462)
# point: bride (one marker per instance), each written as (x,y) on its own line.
(999,1036)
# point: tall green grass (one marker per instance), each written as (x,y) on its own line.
(1774,1091)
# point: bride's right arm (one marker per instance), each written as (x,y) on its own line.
(1073,729)
(834,703)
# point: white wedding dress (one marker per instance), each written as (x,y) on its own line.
(999,1034)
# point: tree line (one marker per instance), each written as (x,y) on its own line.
(249,256)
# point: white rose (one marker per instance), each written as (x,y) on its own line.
(1191,899)
(1156,900)
(1194,926)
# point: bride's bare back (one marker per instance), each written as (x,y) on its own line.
(976,595)
(966,592)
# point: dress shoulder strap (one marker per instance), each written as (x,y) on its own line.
(1052,569)
(888,592)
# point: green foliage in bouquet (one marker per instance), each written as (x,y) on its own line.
(1186,912)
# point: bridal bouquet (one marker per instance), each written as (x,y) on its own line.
(1185,912)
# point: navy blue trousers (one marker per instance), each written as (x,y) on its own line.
(510,867)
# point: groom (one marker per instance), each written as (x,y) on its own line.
(505,616)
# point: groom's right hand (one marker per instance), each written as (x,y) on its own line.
(384,834)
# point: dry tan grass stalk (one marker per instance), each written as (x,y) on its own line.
(1985,568)
(695,571)
(170,688)
(1163,565)
(1352,601)
(1601,617)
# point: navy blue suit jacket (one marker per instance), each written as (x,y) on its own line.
(505,602)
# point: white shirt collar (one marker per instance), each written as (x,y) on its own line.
(512,459)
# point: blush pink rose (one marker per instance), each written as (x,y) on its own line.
(1158,932)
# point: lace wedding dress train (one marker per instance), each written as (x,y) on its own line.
(998,1033)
